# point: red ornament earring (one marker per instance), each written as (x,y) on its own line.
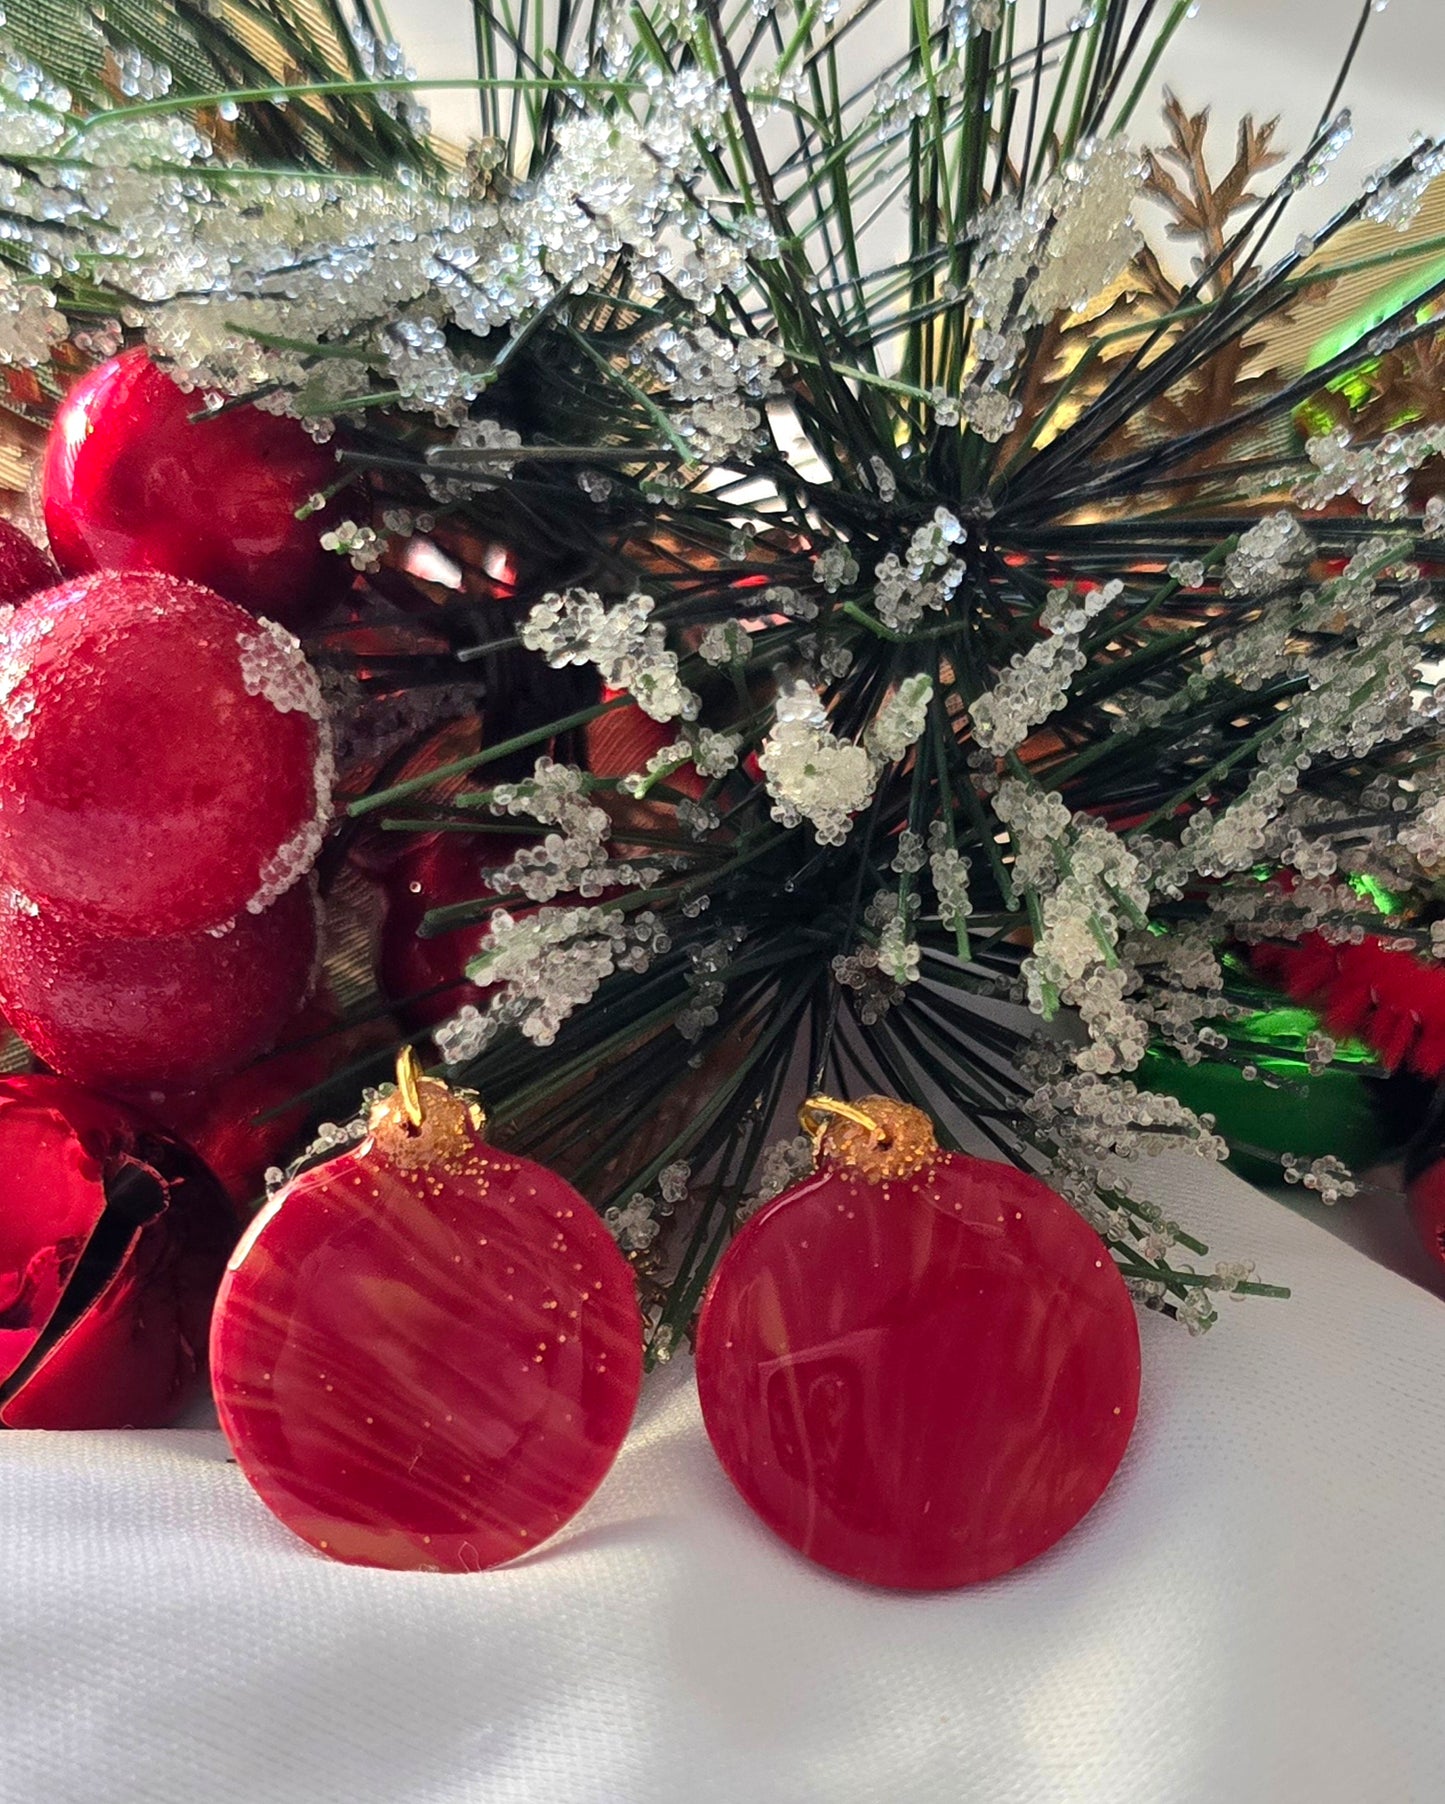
(919,1369)
(427,1351)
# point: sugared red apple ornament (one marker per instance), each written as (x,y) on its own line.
(171,1010)
(919,1369)
(427,1351)
(113,1239)
(164,757)
(24,567)
(133,482)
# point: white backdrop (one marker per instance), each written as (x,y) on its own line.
(1255,1612)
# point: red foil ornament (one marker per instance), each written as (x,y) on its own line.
(1390,999)
(112,1242)
(164,758)
(24,567)
(919,1369)
(426,1352)
(174,1009)
(620,742)
(132,482)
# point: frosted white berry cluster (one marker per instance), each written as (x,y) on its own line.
(1056,249)
(379,269)
(812,775)
(546,965)
(626,645)
(924,578)
(1037,681)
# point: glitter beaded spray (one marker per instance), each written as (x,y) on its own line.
(426,1351)
(920,1369)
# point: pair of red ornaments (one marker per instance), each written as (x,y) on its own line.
(919,1369)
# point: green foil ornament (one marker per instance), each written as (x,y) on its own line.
(1288,1107)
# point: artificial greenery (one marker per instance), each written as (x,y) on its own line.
(886,375)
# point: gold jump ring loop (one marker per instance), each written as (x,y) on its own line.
(408,1085)
(815,1113)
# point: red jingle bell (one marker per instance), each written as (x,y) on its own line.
(132,482)
(164,758)
(919,1369)
(174,1009)
(24,567)
(427,1351)
(112,1242)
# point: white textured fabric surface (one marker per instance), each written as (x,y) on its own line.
(1256,1611)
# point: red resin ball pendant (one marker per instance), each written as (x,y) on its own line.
(164,758)
(132,482)
(919,1369)
(427,1351)
(173,1010)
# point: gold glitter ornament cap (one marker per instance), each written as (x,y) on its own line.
(424,1121)
(878,1137)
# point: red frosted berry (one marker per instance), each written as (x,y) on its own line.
(918,1374)
(112,1242)
(164,760)
(176,1009)
(131,482)
(427,1351)
(24,567)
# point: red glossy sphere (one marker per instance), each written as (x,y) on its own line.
(24,567)
(112,1243)
(131,482)
(177,1009)
(427,1365)
(426,979)
(1426,1198)
(163,758)
(920,1383)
